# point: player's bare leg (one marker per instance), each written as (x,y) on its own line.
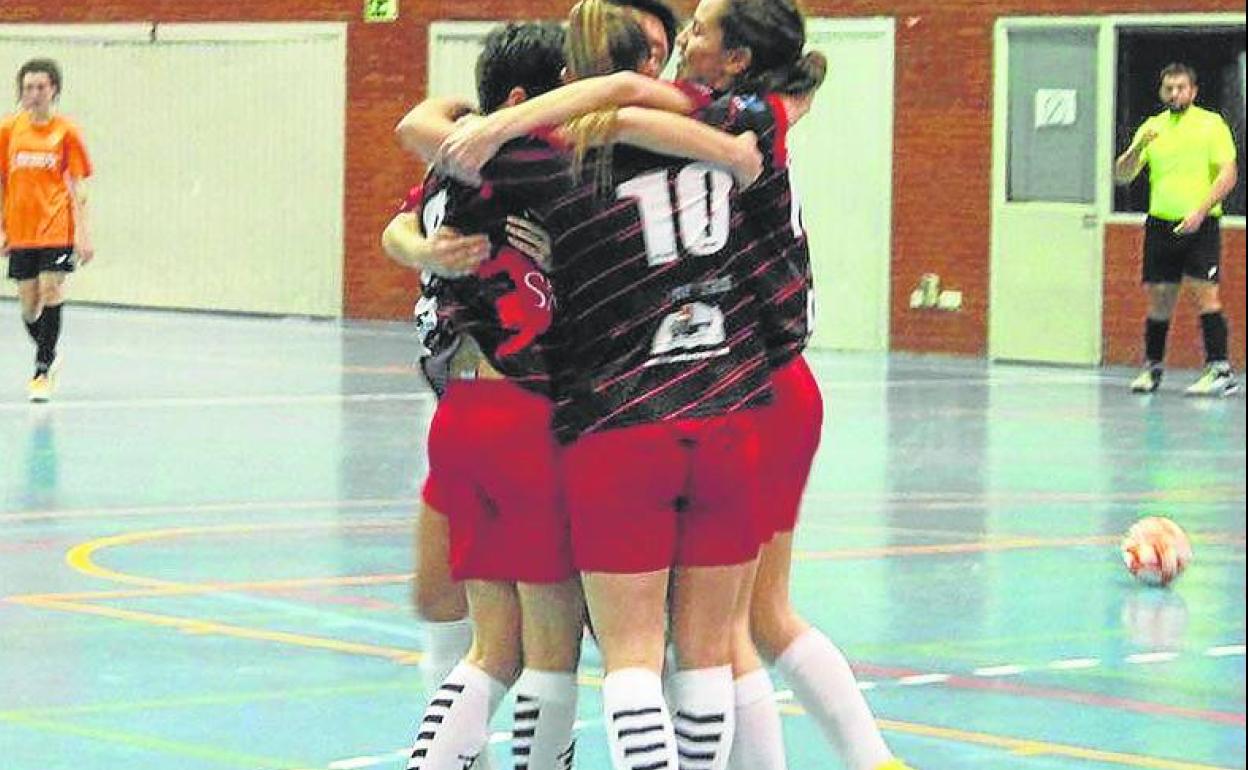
(704,601)
(629,614)
(553,618)
(812,665)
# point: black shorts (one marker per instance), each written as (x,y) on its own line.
(1168,256)
(27,264)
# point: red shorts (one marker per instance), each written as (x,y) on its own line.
(677,493)
(789,430)
(492,473)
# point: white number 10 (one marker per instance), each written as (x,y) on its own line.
(701,207)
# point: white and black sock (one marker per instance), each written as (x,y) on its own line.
(758,742)
(455,729)
(704,717)
(545,715)
(825,686)
(446,644)
(639,727)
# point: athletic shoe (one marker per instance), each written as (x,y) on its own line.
(1148,381)
(40,389)
(1217,380)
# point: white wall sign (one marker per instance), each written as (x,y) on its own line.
(1056,107)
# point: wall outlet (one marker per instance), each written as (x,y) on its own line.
(949,300)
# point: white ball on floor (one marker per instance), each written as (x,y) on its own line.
(1156,551)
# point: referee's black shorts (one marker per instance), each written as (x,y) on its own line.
(1168,256)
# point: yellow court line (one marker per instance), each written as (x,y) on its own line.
(1005,544)
(201,626)
(1042,748)
(80,558)
(405,657)
(213,699)
(184,589)
(177,748)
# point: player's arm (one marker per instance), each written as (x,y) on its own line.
(1222,155)
(684,137)
(1228,176)
(1129,164)
(445,253)
(84,247)
(1223,183)
(427,125)
(471,146)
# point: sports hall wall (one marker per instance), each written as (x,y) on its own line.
(942,144)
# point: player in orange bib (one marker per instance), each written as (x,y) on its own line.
(43,227)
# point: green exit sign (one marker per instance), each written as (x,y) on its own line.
(381,10)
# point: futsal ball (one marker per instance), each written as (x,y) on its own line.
(1156,550)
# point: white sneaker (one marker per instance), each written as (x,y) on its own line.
(1148,381)
(1217,380)
(40,389)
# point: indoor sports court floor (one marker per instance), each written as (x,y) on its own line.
(204,543)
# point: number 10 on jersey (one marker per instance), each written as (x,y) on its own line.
(701,208)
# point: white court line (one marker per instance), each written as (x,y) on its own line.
(853,385)
(407,504)
(357,762)
(1225,651)
(1075,664)
(182,403)
(1146,658)
(920,679)
(999,670)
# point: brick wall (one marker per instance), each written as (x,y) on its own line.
(1125,303)
(942,141)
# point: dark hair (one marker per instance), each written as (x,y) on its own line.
(661,11)
(1175,69)
(46,66)
(525,55)
(774,31)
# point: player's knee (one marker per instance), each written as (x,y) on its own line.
(498,654)
(772,625)
(439,603)
(50,294)
(703,650)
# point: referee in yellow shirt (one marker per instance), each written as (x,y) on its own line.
(1191,167)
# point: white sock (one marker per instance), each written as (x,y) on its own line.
(445,646)
(639,727)
(758,743)
(456,725)
(825,686)
(545,714)
(704,717)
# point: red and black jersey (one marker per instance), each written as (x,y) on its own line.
(656,318)
(782,255)
(506,306)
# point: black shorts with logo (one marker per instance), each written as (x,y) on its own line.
(1169,256)
(27,264)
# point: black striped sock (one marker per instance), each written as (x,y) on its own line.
(639,728)
(454,730)
(704,706)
